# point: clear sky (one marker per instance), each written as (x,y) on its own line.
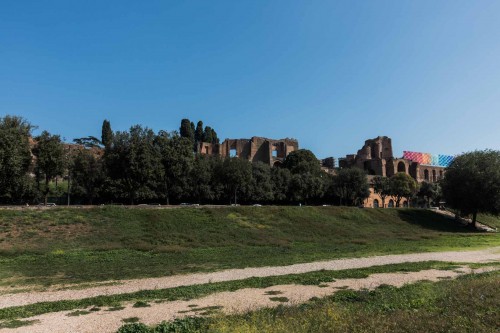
(328,73)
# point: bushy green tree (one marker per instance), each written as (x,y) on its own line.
(106,133)
(402,186)
(351,186)
(15,158)
(471,183)
(430,192)
(261,186)
(281,179)
(302,161)
(176,162)
(87,174)
(133,164)
(50,159)
(382,186)
(235,175)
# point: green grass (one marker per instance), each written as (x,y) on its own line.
(195,291)
(63,245)
(467,304)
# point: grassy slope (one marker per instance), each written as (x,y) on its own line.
(71,245)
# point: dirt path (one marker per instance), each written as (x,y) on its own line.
(128,286)
(227,302)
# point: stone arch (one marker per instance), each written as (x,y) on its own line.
(375,203)
(401,167)
(391,204)
(426,175)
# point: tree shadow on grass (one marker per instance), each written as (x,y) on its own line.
(432,221)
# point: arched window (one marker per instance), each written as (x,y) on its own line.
(391,203)
(405,204)
(426,174)
(375,203)
(401,167)
(434,175)
(441,174)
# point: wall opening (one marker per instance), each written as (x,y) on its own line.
(275,153)
(434,175)
(391,204)
(401,167)
(375,203)
(233,153)
(426,174)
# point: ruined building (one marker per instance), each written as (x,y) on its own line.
(256,149)
(377,159)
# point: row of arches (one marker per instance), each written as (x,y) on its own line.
(434,178)
(390,204)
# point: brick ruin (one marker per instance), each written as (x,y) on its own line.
(377,159)
(256,149)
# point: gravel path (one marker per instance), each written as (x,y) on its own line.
(239,301)
(129,286)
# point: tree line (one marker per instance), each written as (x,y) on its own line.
(141,166)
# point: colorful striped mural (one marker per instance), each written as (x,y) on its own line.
(428,159)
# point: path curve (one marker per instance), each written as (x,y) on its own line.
(130,286)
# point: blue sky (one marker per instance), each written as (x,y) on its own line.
(328,73)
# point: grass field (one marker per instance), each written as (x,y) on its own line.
(85,245)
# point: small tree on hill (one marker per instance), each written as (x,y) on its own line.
(471,183)
(50,159)
(382,186)
(402,186)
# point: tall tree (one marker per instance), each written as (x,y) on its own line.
(302,161)
(261,186)
(215,139)
(471,183)
(15,158)
(201,179)
(351,185)
(382,186)
(106,134)
(87,174)
(402,186)
(133,164)
(281,179)
(198,134)
(50,159)
(429,192)
(235,175)
(207,135)
(176,161)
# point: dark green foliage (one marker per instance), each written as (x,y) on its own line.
(302,161)
(50,159)
(106,134)
(88,142)
(198,134)
(87,174)
(186,130)
(261,186)
(15,159)
(471,183)
(382,186)
(175,155)
(235,175)
(351,186)
(402,186)
(133,164)
(430,192)
(134,328)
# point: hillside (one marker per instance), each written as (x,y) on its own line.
(84,245)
